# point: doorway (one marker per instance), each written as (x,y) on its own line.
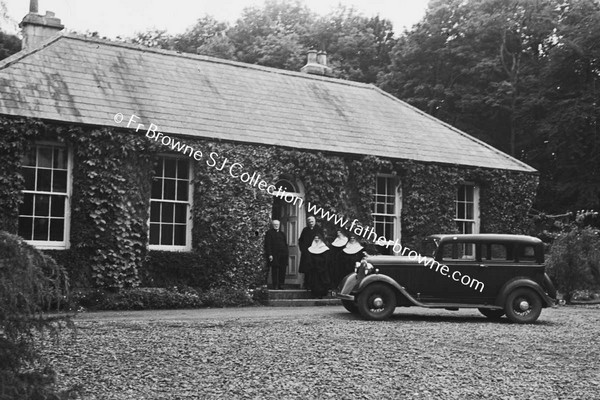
(292,215)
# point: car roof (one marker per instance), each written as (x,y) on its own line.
(486,238)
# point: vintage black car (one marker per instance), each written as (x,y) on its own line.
(497,274)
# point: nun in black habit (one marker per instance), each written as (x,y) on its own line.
(352,253)
(319,267)
(337,265)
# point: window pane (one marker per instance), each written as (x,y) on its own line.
(154,211)
(154,233)
(469,193)
(468,227)
(180,213)
(182,190)
(44,179)
(460,211)
(469,211)
(461,193)
(180,235)
(57,229)
(25,228)
(59,183)
(40,229)
(45,157)
(57,206)
(60,158)
(166,237)
(26,207)
(42,205)
(169,190)
(156,191)
(29,157)
(390,208)
(170,167)
(167,212)
(29,175)
(183,169)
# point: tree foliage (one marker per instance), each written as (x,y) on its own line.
(280,33)
(9,44)
(520,75)
(30,283)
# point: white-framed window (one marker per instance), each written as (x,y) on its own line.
(467,208)
(170,205)
(385,207)
(44,215)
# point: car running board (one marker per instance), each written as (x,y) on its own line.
(446,305)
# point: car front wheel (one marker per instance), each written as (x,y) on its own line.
(523,306)
(377,302)
(491,313)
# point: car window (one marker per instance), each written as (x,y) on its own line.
(458,251)
(527,254)
(497,252)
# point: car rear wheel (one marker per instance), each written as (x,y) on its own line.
(523,306)
(377,302)
(491,313)
(350,306)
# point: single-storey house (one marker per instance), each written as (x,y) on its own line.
(87,177)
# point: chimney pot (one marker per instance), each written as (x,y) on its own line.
(33,6)
(312,57)
(322,58)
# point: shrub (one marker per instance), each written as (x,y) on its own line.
(136,299)
(574,261)
(227,297)
(30,283)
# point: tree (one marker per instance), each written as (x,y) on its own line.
(474,64)
(358,46)
(276,35)
(520,75)
(154,38)
(567,150)
(30,284)
(9,44)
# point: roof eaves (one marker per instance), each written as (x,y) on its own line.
(523,165)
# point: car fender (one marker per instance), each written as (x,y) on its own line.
(379,278)
(348,284)
(519,282)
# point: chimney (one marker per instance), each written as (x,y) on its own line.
(37,28)
(316,64)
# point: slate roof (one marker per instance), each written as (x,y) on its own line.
(83,80)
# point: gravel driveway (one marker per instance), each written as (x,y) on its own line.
(325,352)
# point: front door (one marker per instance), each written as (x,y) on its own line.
(289,222)
(291,215)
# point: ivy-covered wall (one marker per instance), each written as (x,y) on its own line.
(112,172)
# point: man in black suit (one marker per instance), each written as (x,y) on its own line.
(276,251)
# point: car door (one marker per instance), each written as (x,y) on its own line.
(466,278)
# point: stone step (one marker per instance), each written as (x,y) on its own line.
(304,302)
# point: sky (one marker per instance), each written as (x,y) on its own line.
(111,18)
